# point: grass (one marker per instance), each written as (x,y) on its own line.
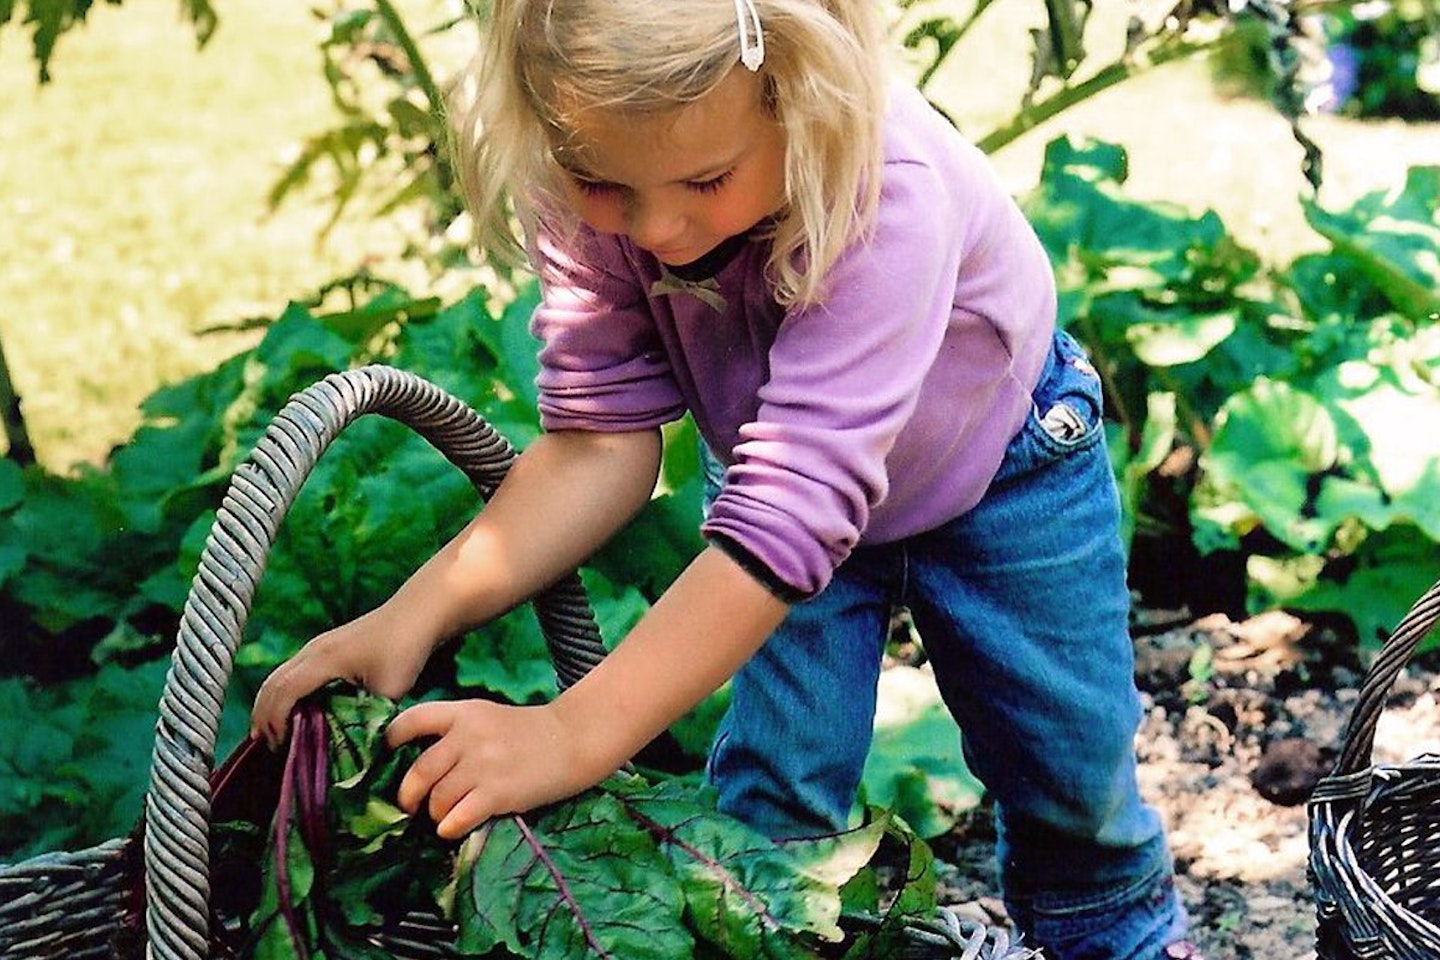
(132,196)
(132,188)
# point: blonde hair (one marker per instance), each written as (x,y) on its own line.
(546,60)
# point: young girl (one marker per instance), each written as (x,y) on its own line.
(733,214)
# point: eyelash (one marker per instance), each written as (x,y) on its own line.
(599,187)
(593,187)
(712,185)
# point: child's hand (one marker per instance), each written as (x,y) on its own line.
(368,651)
(490,759)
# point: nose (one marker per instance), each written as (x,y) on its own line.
(655,225)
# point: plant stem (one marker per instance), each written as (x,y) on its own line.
(960,31)
(12,418)
(392,18)
(1068,96)
(1199,429)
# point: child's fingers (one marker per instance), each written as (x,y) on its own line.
(278,695)
(425,773)
(467,814)
(432,718)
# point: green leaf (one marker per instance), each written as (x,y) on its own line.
(1378,403)
(1332,287)
(446,347)
(1088,159)
(276,940)
(1394,238)
(508,657)
(1272,442)
(1375,586)
(1168,341)
(915,898)
(1083,219)
(391,305)
(509,338)
(652,550)
(12,484)
(583,880)
(915,767)
(113,752)
(617,608)
(745,894)
(1157,439)
(12,552)
(385,862)
(50,19)
(38,783)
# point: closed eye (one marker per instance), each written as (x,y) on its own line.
(594,187)
(712,185)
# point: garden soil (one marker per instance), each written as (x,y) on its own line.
(1234,738)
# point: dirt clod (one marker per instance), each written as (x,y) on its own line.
(1288,771)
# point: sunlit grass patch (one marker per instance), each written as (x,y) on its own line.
(132,202)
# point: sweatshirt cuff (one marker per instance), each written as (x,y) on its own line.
(757,568)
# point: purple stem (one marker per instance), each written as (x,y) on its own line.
(313,780)
(727,879)
(561,886)
(284,814)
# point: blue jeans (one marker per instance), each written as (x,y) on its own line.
(1022,606)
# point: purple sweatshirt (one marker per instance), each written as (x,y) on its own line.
(879,413)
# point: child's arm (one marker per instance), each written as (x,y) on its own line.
(494,759)
(564,496)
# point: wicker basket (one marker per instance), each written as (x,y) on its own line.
(1375,829)
(74,905)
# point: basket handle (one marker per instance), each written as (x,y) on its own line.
(177,804)
(1355,753)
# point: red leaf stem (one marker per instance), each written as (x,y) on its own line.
(284,814)
(668,835)
(313,780)
(561,886)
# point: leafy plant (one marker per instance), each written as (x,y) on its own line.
(94,568)
(630,869)
(1291,388)
(391,128)
(1063,74)
(50,19)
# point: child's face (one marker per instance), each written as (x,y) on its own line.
(680,183)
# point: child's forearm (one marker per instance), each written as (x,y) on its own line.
(491,759)
(710,621)
(565,496)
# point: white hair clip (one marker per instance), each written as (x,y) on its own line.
(752,38)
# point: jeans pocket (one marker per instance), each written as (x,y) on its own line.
(1066,412)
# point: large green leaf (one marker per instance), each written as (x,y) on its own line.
(1374,586)
(1383,404)
(508,657)
(1157,439)
(915,767)
(746,895)
(12,484)
(582,880)
(914,898)
(1162,340)
(1394,238)
(1095,233)
(1270,448)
